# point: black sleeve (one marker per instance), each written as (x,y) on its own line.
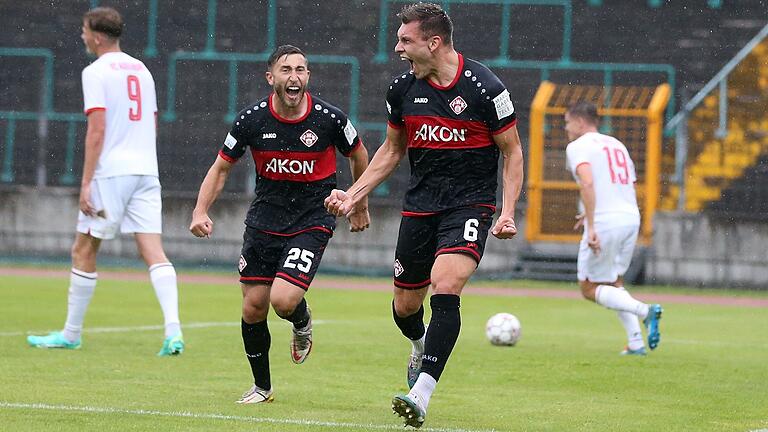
(499,111)
(395,103)
(345,137)
(236,140)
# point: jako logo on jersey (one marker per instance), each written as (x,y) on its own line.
(290,166)
(440,133)
(268,135)
(308,138)
(458,105)
(420,100)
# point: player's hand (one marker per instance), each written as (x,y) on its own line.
(86,206)
(593,241)
(201,226)
(579,221)
(339,203)
(359,219)
(505,228)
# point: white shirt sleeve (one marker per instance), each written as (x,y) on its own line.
(93,90)
(576,154)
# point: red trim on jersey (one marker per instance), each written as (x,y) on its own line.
(455,79)
(314,228)
(354,149)
(289,121)
(90,110)
(413,286)
(295,166)
(394,126)
(577,166)
(293,280)
(256,279)
(460,249)
(416,214)
(492,207)
(446,133)
(227,158)
(502,130)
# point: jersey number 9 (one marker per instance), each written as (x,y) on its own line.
(134,94)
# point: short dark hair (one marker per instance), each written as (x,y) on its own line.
(432,19)
(105,20)
(586,111)
(283,50)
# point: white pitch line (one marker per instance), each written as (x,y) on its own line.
(141,328)
(214,416)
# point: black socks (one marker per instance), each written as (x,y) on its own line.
(257,340)
(412,326)
(443,332)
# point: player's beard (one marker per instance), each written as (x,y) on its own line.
(290,101)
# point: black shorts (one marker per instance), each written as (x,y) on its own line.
(422,238)
(294,258)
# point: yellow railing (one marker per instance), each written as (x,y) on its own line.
(632,114)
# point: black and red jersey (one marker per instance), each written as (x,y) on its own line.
(295,163)
(453,158)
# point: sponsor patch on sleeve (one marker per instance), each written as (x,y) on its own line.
(503,105)
(230,141)
(350,132)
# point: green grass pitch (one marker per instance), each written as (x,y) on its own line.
(710,372)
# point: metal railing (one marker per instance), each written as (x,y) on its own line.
(679,122)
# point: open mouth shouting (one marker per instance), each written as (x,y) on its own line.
(294,92)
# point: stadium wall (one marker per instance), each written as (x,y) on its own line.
(704,250)
(689,249)
(39,225)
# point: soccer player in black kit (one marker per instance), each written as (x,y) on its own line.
(454,117)
(293,138)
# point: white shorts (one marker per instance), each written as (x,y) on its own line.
(130,203)
(617,245)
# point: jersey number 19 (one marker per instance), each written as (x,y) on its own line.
(618,159)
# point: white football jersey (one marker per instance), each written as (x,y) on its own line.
(614,178)
(123,87)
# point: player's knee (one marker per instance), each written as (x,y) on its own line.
(587,290)
(283,307)
(407,306)
(446,286)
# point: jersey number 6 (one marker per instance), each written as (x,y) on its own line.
(134,94)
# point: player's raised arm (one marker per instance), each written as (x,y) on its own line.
(512,180)
(213,183)
(384,162)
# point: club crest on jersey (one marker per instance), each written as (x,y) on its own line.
(242,264)
(398,268)
(309,138)
(458,105)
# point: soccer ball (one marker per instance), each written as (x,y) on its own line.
(503,329)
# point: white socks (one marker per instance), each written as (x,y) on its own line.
(81,288)
(632,326)
(422,390)
(418,344)
(619,299)
(163,278)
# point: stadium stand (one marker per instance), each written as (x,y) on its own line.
(694,40)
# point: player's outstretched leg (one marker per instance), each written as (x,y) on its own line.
(652,324)
(256,395)
(410,408)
